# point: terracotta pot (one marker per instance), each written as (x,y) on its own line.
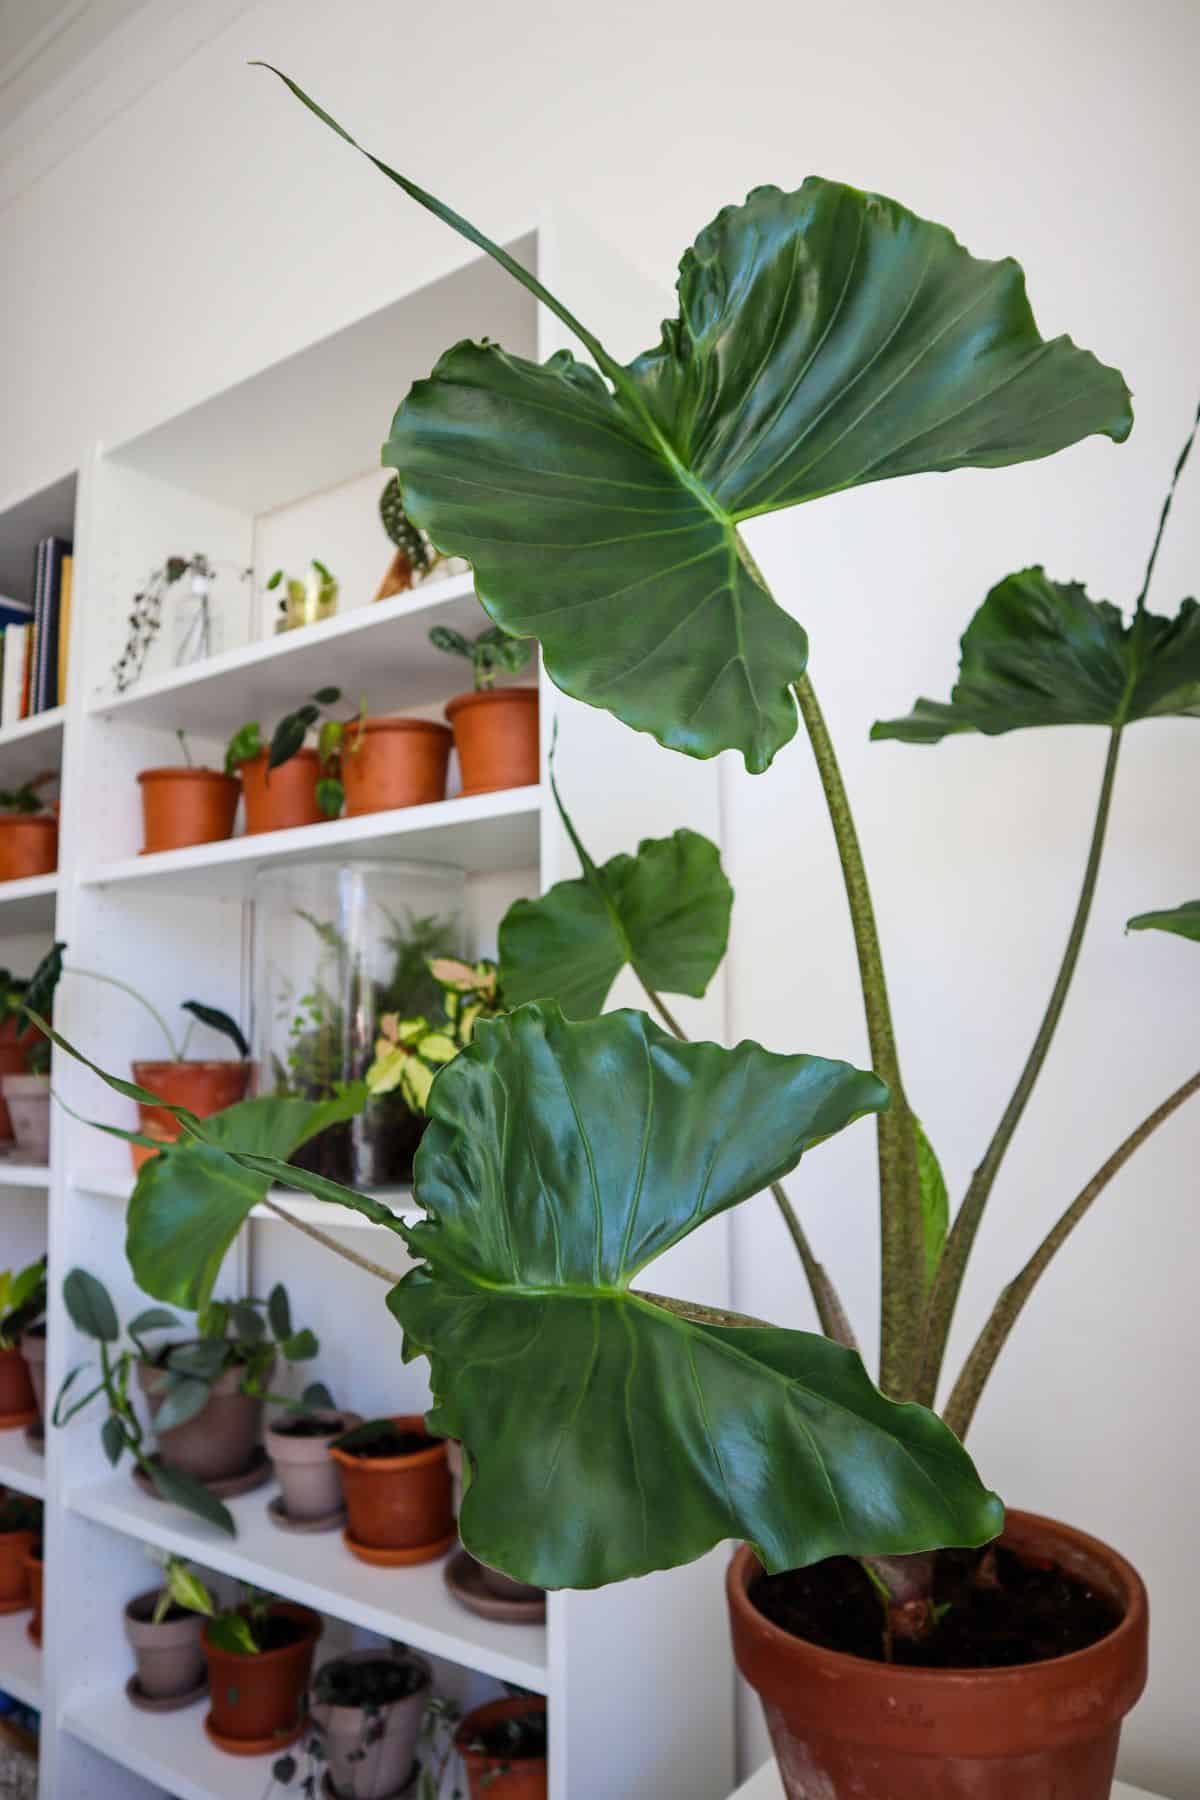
(222,1438)
(257,1702)
(169,1658)
(203,1087)
(186,806)
(28,845)
(377,1770)
(14,1571)
(33,1350)
(15,1043)
(33,1571)
(27,1098)
(398,762)
(18,1402)
(307,1473)
(285,797)
(399,1507)
(490,1777)
(496,736)
(1041,1731)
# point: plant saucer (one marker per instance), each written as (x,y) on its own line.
(35,1438)
(465,1581)
(381,1558)
(163,1703)
(12,1421)
(330,1521)
(329,1792)
(263,1746)
(256,1476)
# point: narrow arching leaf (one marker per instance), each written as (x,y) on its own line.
(216,1020)
(608,1435)
(935,1202)
(1183,920)
(90,1307)
(1040,652)
(184,1490)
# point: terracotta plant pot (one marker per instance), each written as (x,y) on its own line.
(203,1087)
(491,1777)
(257,1702)
(307,1474)
(18,1402)
(186,806)
(222,1438)
(399,1507)
(378,1769)
(33,1571)
(1040,1731)
(496,736)
(285,797)
(33,1350)
(398,762)
(14,1046)
(170,1661)
(27,1098)
(28,845)
(14,1570)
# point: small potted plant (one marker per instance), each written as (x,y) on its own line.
(416,559)
(28,831)
(298,1446)
(259,1655)
(163,1627)
(22,1304)
(34,1569)
(304,599)
(183,804)
(25,1057)
(495,729)
(20,1529)
(396,762)
(17,1037)
(396,1483)
(503,1749)
(366,1711)
(286,782)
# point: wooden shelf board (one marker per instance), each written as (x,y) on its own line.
(21,1467)
(28,905)
(20,1661)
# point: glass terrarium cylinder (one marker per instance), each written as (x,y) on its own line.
(336,947)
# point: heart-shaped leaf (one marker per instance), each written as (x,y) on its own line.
(1183,920)
(1040,652)
(609,1434)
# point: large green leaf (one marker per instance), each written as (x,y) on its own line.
(1040,652)
(1183,920)
(825,338)
(608,1434)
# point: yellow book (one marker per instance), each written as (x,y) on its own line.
(64,628)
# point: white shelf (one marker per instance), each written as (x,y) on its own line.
(22,1174)
(381,650)
(28,905)
(20,1661)
(119,1186)
(479,833)
(766,1785)
(171,1749)
(409,1604)
(21,1467)
(31,745)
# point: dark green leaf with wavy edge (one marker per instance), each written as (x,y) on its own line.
(826,338)
(609,1436)
(1183,921)
(1040,652)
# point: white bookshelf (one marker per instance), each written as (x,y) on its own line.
(271,472)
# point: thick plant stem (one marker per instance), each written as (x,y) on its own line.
(964,1399)
(901,1231)
(328,1243)
(830,1312)
(952,1266)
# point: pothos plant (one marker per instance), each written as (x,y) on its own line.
(826,339)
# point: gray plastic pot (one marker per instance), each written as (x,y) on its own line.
(27,1098)
(384,1765)
(222,1438)
(33,1349)
(170,1661)
(306,1471)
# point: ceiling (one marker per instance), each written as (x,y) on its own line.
(43,40)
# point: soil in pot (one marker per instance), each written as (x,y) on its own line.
(394,762)
(203,1087)
(1021,1692)
(368,1709)
(186,806)
(170,1661)
(258,1702)
(503,1749)
(496,736)
(278,799)
(299,1449)
(33,1351)
(396,1482)
(27,1099)
(223,1437)
(28,845)
(34,1571)
(18,1402)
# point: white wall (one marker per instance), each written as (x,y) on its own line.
(211,226)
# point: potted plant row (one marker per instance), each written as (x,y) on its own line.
(28,830)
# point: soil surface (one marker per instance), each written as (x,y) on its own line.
(379,1682)
(387,1440)
(310,1428)
(1001,1611)
(513,1740)
(277,1631)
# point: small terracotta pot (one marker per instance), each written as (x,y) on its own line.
(15,1043)
(397,762)
(496,736)
(285,796)
(307,1474)
(257,1702)
(490,1777)
(27,1098)
(399,1507)
(33,1350)
(377,1770)
(186,806)
(18,1402)
(28,845)
(170,1661)
(33,1570)
(203,1087)
(842,1725)
(221,1439)
(14,1570)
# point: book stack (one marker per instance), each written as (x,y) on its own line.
(34,636)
